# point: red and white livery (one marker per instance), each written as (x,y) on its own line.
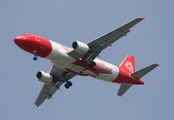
(81,60)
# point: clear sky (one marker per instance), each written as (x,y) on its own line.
(150,41)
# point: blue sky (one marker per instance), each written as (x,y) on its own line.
(151,41)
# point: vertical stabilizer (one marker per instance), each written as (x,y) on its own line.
(128,64)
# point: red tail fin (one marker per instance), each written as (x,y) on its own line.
(128,64)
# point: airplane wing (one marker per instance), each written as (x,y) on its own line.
(106,40)
(123,88)
(48,90)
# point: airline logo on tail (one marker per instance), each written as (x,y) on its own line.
(129,66)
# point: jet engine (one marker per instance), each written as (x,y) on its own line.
(80,47)
(44,77)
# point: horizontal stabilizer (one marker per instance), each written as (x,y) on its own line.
(139,74)
(123,88)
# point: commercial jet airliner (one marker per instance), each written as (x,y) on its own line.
(81,60)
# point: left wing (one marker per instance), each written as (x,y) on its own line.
(49,89)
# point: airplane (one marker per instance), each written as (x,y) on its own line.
(82,60)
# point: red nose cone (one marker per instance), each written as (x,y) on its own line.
(21,42)
(31,43)
(18,40)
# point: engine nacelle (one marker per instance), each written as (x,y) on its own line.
(44,77)
(80,47)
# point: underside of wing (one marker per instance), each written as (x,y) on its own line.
(108,39)
(48,90)
(99,44)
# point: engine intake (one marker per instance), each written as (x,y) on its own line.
(44,77)
(80,47)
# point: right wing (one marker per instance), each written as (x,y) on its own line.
(49,89)
(106,40)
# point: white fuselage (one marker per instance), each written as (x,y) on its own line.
(59,57)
